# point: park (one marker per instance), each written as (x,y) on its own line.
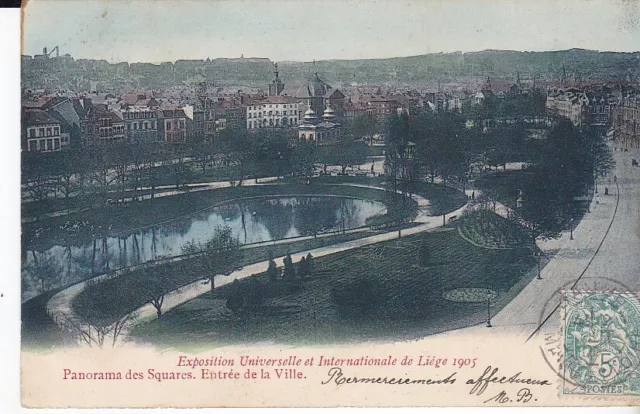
(181,252)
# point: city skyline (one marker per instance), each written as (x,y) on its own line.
(292,31)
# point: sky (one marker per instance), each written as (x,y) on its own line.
(167,30)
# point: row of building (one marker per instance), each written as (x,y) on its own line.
(51,123)
(315,109)
(62,122)
(605,108)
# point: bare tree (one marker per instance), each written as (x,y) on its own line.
(39,186)
(123,324)
(122,161)
(96,334)
(154,283)
(46,269)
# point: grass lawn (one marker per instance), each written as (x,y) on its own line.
(443,199)
(39,332)
(376,292)
(488,229)
(97,305)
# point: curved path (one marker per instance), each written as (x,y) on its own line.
(59,307)
(603,254)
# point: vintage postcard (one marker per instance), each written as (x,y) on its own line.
(330,203)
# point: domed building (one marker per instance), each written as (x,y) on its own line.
(318,95)
(319,130)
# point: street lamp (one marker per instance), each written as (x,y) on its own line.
(538,256)
(571,229)
(489,309)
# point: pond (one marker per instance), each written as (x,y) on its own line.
(251,220)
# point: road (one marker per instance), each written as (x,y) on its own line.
(616,265)
(603,255)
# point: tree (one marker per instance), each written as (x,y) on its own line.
(142,159)
(542,210)
(600,155)
(361,128)
(220,254)
(181,170)
(397,138)
(344,152)
(237,148)
(122,158)
(67,165)
(442,145)
(272,152)
(304,156)
(100,163)
(154,283)
(38,177)
(46,269)
(350,152)
(203,154)
(153,166)
(39,186)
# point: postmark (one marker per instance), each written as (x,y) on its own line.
(549,330)
(601,343)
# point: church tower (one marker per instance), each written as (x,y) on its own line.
(276,87)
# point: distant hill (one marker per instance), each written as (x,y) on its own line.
(583,65)
(587,65)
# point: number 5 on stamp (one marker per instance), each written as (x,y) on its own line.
(601,343)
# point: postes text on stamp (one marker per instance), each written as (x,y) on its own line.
(601,343)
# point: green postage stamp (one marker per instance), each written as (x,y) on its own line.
(601,343)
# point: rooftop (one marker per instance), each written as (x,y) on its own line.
(34,117)
(282,99)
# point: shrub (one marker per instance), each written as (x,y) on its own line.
(272,271)
(289,272)
(309,264)
(356,296)
(235,299)
(253,293)
(247,294)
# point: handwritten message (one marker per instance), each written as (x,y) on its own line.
(330,370)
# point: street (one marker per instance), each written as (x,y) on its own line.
(603,255)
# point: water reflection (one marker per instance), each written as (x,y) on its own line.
(250,220)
